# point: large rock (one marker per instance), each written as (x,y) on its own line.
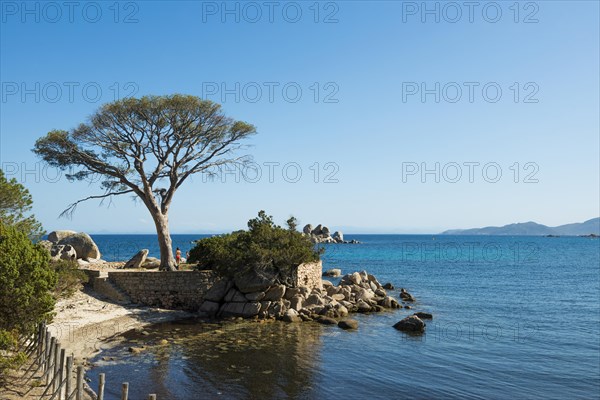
(137,260)
(209,307)
(307,229)
(218,291)
(255,296)
(325,231)
(389,302)
(244,310)
(334,272)
(232,310)
(83,245)
(411,324)
(46,244)
(251,309)
(313,300)
(277,309)
(318,230)
(255,280)
(62,252)
(338,236)
(151,263)
(57,236)
(297,302)
(235,296)
(275,293)
(292,315)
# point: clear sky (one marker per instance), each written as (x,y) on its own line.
(375,92)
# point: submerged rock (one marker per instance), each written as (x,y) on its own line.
(423,315)
(405,296)
(348,324)
(410,324)
(326,320)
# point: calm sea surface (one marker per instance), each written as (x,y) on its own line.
(514,318)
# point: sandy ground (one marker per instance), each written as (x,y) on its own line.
(85,324)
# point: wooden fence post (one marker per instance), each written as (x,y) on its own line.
(125,391)
(61,373)
(56,366)
(49,359)
(79,395)
(69,377)
(40,339)
(101,380)
(47,349)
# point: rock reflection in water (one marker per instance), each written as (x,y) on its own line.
(263,361)
(230,360)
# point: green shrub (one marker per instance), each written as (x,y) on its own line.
(263,246)
(26,281)
(69,277)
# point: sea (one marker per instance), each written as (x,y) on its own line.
(513,318)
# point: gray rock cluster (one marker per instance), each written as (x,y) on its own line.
(322,234)
(70,245)
(358,292)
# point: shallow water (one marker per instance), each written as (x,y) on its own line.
(514,317)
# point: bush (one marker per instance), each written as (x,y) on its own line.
(263,246)
(26,281)
(69,277)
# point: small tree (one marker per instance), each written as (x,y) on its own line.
(148,147)
(265,246)
(15,204)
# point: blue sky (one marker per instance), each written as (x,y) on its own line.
(360,119)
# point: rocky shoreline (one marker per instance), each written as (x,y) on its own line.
(359,292)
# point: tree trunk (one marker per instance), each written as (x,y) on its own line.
(167,262)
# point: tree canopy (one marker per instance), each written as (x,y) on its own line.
(15,205)
(147,147)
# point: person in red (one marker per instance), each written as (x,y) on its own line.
(177,257)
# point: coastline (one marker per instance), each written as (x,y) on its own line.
(86,323)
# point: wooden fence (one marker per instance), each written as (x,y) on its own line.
(56,372)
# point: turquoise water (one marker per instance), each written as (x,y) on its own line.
(514,317)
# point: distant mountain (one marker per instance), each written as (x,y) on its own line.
(533,229)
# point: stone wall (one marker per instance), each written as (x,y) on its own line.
(173,290)
(309,275)
(179,289)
